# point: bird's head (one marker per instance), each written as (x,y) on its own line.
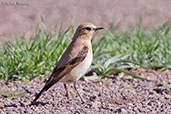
(87,29)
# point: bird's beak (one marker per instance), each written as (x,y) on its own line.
(98,28)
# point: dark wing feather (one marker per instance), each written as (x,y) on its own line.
(58,73)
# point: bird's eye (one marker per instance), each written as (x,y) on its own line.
(88,28)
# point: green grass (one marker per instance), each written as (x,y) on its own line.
(114,52)
(135,48)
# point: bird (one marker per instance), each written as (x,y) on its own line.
(75,61)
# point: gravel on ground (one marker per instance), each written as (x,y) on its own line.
(108,96)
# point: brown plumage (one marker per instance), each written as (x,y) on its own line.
(75,61)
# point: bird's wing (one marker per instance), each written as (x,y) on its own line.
(64,69)
(67,56)
(59,72)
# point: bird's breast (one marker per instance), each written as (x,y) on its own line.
(79,70)
(82,68)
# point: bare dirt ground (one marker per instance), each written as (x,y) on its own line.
(22,17)
(125,95)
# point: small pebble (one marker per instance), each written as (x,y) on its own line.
(1,105)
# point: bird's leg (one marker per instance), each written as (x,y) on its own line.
(78,92)
(66,94)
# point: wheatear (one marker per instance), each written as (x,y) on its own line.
(75,61)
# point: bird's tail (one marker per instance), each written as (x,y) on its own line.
(49,83)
